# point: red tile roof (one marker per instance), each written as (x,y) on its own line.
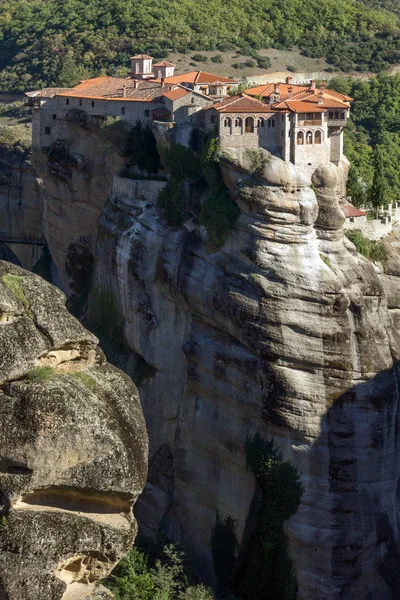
(352,211)
(199,77)
(299,106)
(164,63)
(242,104)
(176,93)
(141,56)
(265,90)
(309,93)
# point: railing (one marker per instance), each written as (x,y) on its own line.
(29,240)
(307,123)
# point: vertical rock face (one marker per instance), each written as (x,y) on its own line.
(286,332)
(20,204)
(73,448)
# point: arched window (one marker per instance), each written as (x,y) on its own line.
(308,137)
(213,119)
(123,110)
(228,122)
(146,113)
(249,125)
(238,122)
(192,100)
(300,138)
(260,122)
(318,137)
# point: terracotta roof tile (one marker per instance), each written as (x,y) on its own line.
(176,93)
(46,93)
(352,211)
(141,57)
(240,104)
(164,63)
(299,106)
(199,77)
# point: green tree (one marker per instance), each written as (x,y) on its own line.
(379,193)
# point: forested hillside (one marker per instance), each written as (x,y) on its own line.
(372,140)
(56,42)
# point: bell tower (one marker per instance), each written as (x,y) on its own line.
(141,66)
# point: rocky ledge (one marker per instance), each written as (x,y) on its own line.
(73,448)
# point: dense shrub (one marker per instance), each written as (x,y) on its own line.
(134,578)
(263,62)
(217,59)
(199,58)
(372,250)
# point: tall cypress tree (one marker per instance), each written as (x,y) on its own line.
(379,193)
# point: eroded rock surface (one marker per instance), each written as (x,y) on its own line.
(73,448)
(285,332)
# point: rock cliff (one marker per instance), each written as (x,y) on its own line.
(20,205)
(285,332)
(73,448)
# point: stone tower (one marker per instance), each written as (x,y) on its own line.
(164,69)
(141,66)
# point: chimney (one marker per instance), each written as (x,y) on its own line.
(320,98)
(276,88)
(288,79)
(135,84)
(322,85)
(124,91)
(290,91)
(162,81)
(312,83)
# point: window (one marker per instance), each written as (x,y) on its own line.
(67,101)
(331,114)
(47,130)
(272,122)
(123,110)
(213,119)
(227,122)
(146,113)
(337,114)
(300,138)
(269,122)
(80,101)
(308,137)
(192,100)
(288,133)
(342,115)
(238,122)
(260,123)
(249,125)
(318,137)
(92,103)
(54,117)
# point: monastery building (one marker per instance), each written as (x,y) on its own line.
(301,123)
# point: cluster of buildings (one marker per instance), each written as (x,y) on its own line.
(300,123)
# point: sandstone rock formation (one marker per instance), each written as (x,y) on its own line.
(285,332)
(20,205)
(73,448)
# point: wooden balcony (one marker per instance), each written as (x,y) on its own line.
(308,123)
